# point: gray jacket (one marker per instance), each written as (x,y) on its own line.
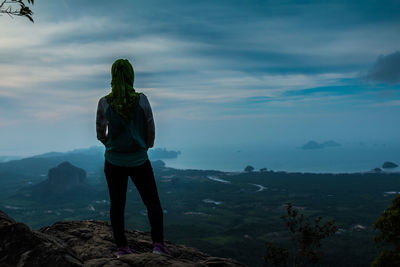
(102,122)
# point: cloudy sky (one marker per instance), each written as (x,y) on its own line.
(217,73)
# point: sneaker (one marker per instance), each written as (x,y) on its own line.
(160,248)
(123,251)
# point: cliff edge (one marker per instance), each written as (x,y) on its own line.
(89,243)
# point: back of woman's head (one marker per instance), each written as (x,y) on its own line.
(123,98)
(122,72)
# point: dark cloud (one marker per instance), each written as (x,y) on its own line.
(386,69)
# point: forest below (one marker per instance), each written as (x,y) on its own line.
(226,214)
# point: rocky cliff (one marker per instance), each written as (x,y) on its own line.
(65,176)
(63,182)
(88,243)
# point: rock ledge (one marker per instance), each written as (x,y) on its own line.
(89,243)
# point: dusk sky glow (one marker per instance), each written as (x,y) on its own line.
(217,73)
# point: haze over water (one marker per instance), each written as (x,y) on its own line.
(345,158)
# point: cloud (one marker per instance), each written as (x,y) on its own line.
(392,103)
(61,69)
(386,69)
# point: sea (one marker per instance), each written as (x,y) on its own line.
(348,158)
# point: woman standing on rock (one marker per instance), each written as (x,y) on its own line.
(125,125)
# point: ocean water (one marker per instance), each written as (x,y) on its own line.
(344,158)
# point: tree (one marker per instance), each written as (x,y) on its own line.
(305,238)
(8,7)
(389,236)
(263,169)
(249,168)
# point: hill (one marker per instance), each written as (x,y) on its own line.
(63,181)
(389,165)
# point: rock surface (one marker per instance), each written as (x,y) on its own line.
(88,243)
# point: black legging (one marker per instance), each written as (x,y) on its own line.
(143,178)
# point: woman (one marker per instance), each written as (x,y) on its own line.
(125,125)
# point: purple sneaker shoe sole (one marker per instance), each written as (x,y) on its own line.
(161,249)
(123,251)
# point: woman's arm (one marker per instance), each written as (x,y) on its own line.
(101,121)
(150,122)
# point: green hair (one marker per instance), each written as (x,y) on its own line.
(123,98)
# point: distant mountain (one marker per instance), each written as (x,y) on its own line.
(312,145)
(93,150)
(315,145)
(389,165)
(90,159)
(61,180)
(65,176)
(8,158)
(49,155)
